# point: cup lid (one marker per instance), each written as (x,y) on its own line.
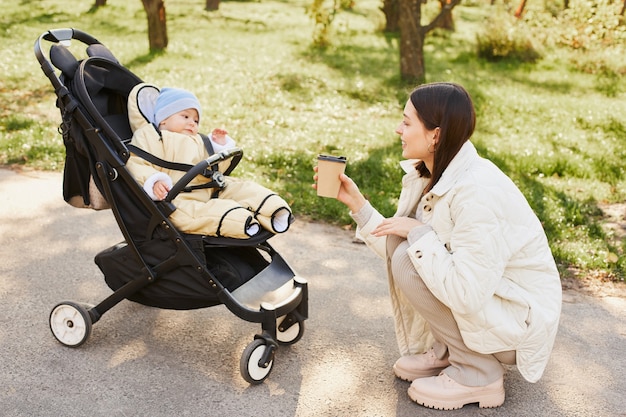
(331,158)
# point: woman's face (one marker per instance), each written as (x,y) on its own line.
(417,141)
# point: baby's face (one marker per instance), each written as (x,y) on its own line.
(185,122)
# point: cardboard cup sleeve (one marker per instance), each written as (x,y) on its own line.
(329,168)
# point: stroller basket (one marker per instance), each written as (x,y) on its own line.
(156,265)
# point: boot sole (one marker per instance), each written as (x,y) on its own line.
(485,400)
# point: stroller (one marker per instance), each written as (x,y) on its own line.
(157,265)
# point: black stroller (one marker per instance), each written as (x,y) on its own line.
(157,265)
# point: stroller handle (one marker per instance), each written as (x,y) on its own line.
(62,36)
(199,168)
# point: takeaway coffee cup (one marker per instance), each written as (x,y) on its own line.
(329,168)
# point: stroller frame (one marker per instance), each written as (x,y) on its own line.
(272,294)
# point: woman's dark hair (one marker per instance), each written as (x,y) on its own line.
(449,107)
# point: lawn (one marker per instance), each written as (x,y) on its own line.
(557,126)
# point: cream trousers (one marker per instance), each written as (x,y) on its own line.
(466,366)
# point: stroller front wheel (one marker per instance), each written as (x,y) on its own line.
(251,366)
(70,323)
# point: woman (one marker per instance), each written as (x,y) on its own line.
(472,280)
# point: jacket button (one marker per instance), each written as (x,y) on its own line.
(427,208)
(418,254)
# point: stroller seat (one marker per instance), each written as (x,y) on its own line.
(156,265)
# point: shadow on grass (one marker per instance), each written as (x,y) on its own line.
(144,59)
(582,216)
(376,66)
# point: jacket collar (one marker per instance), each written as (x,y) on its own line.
(408,165)
(459,164)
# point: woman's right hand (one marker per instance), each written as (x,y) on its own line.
(349,193)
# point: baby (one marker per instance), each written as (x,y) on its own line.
(239,210)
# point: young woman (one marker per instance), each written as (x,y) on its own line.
(472,280)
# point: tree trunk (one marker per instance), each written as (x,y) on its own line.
(100,3)
(446,22)
(212,5)
(520,9)
(391,9)
(411,41)
(412,35)
(157,28)
(623,9)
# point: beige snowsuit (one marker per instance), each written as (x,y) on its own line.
(240,205)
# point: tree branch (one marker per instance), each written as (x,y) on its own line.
(433,24)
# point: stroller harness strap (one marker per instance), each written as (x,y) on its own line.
(178,166)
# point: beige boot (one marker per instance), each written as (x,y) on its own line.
(443,393)
(411,367)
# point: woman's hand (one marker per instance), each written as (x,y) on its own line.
(349,193)
(399,226)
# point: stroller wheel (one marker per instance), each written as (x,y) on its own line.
(288,330)
(70,323)
(253,365)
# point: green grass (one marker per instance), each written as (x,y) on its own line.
(557,127)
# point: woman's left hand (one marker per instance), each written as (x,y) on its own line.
(399,226)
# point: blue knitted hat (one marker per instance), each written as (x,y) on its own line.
(173,100)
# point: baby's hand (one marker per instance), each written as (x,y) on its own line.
(219,136)
(160,190)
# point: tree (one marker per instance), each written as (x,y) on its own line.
(412,35)
(390,9)
(97,4)
(323,17)
(157,28)
(446,22)
(411,41)
(211,5)
(520,9)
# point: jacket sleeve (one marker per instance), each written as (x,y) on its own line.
(464,272)
(217,147)
(367,219)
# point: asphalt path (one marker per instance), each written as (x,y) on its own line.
(143,361)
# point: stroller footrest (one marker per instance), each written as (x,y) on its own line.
(274,285)
(271,300)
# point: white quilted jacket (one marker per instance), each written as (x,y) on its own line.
(487,259)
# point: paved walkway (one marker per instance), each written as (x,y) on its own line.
(143,361)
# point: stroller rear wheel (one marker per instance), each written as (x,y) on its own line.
(256,361)
(70,323)
(288,330)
